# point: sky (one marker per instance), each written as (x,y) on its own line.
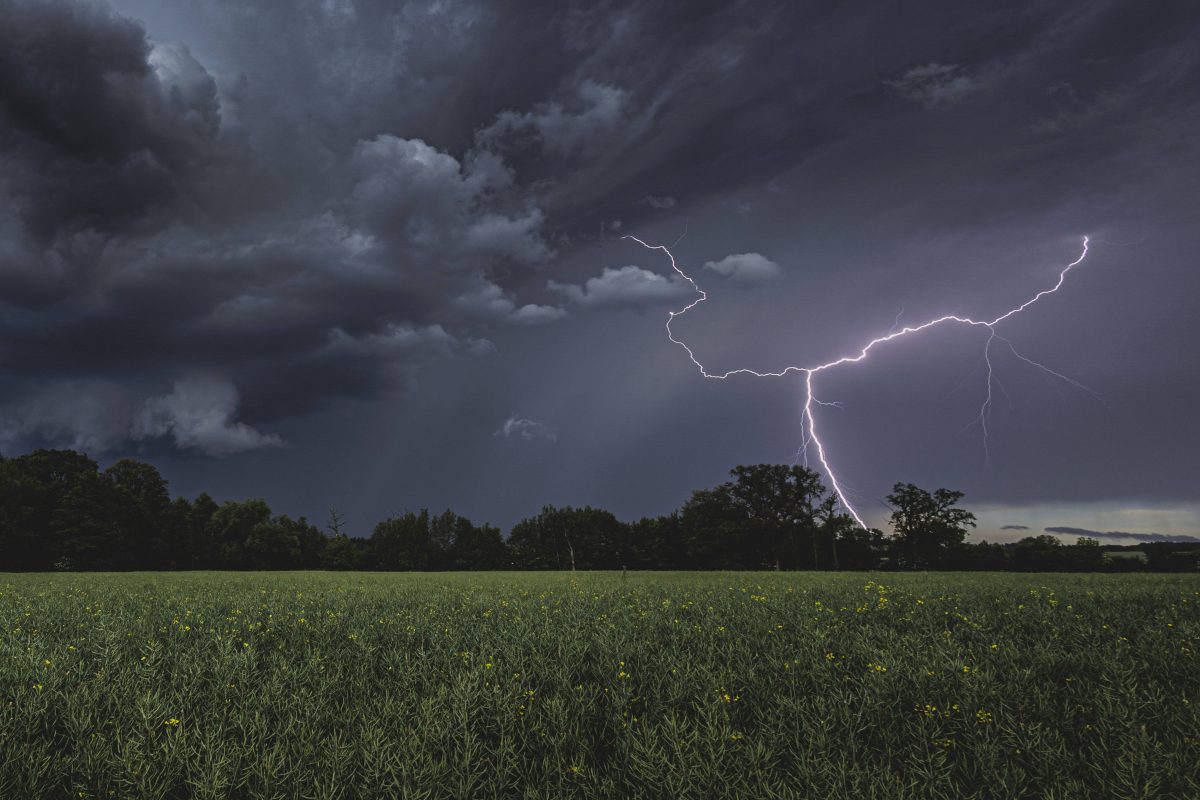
(369,255)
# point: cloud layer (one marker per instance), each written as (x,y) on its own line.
(625,286)
(198,414)
(1140,537)
(526,429)
(745,267)
(347,223)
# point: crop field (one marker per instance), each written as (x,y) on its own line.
(599,685)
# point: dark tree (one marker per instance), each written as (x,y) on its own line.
(344,553)
(231,527)
(282,543)
(769,516)
(469,546)
(717,535)
(928,527)
(402,543)
(655,543)
(33,489)
(861,548)
(141,505)
(203,547)
(335,523)
(567,538)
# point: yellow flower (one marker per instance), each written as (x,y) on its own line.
(171,723)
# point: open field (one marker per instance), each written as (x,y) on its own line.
(672,685)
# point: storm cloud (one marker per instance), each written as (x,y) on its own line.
(230,226)
(625,286)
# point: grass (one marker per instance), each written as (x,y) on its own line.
(557,685)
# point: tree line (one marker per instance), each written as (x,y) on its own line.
(60,511)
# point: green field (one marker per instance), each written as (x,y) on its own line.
(665,685)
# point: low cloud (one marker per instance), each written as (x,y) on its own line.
(584,125)
(661,203)
(88,415)
(746,267)
(526,429)
(96,416)
(626,286)
(936,85)
(1014,527)
(1141,537)
(199,414)
(489,301)
(534,314)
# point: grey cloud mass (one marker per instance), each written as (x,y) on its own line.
(936,85)
(526,429)
(745,267)
(198,413)
(625,286)
(1140,537)
(661,203)
(370,229)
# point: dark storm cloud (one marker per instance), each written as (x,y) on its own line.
(1141,537)
(99,129)
(352,259)
(217,227)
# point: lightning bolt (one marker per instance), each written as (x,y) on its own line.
(810,437)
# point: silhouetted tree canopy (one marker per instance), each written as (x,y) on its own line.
(60,511)
(928,525)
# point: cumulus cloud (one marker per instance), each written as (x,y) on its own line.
(936,85)
(624,286)
(199,414)
(300,274)
(426,202)
(103,131)
(89,415)
(661,203)
(534,314)
(745,267)
(393,341)
(582,126)
(488,300)
(1141,537)
(526,429)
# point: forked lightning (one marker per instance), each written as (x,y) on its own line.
(809,422)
